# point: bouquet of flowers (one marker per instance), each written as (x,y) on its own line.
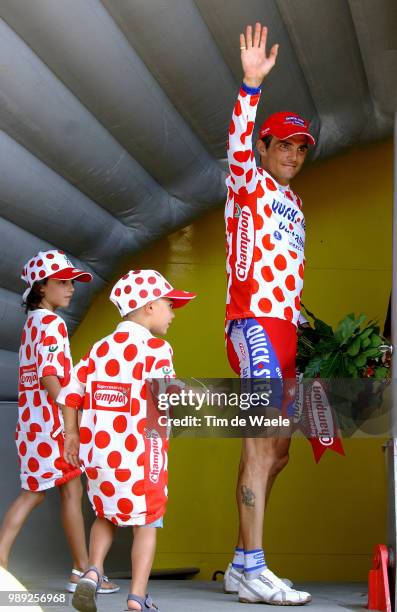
(348,369)
(353,350)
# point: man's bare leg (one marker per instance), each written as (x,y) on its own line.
(283,446)
(262,459)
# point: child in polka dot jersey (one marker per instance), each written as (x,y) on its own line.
(45,364)
(126,468)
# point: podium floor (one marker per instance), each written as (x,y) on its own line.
(197,596)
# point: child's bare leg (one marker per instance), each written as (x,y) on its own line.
(101,538)
(142,555)
(15,519)
(73,523)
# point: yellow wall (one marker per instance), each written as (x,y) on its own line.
(323,520)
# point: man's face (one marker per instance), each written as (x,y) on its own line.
(283,159)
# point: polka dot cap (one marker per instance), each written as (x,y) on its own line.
(51,264)
(138,287)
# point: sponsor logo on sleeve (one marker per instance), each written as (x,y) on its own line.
(245,244)
(111,396)
(156,457)
(28,379)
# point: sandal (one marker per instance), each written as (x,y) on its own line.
(84,598)
(146,604)
(103,591)
(71,586)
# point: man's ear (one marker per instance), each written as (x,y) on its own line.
(261,148)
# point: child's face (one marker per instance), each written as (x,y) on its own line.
(57,293)
(161,316)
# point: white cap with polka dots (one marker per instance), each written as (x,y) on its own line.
(138,287)
(51,264)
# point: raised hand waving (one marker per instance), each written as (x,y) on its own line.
(256,64)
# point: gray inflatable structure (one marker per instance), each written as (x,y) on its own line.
(114,117)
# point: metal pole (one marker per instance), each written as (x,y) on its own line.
(392,446)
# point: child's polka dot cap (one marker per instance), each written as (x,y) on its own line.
(51,264)
(138,287)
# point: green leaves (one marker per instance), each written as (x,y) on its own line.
(376,340)
(331,364)
(351,370)
(360,361)
(323,329)
(351,351)
(347,327)
(313,367)
(354,348)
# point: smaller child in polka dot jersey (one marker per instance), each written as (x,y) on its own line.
(44,366)
(126,468)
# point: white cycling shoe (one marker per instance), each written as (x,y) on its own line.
(232,578)
(267,588)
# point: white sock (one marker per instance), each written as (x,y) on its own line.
(238,559)
(254,562)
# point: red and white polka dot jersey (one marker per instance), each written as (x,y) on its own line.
(126,469)
(44,351)
(265,230)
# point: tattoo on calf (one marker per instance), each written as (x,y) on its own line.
(248,496)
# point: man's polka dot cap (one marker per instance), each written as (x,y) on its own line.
(51,264)
(138,287)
